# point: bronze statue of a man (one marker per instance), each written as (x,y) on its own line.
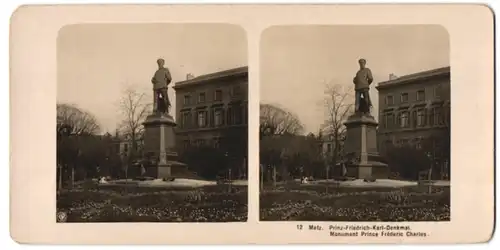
(362,82)
(161,80)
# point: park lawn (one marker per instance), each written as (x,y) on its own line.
(297,202)
(219,203)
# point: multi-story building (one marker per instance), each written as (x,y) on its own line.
(211,110)
(327,147)
(122,145)
(415,109)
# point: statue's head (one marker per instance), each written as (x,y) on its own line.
(160,62)
(362,62)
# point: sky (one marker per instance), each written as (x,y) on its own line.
(296,62)
(97,62)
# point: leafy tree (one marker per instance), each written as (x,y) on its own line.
(208,162)
(407,161)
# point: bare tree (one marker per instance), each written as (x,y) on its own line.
(134,109)
(338,105)
(277,127)
(277,121)
(73,121)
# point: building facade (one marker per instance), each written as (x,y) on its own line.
(211,110)
(123,147)
(327,147)
(415,110)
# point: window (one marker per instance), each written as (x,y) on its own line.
(438,117)
(201,98)
(328,147)
(218,95)
(125,147)
(185,119)
(420,117)
(236,90)
(431,117)
(229,116)
(414,118)
(421,95)
(389,120)
(437,91)
(218,117)
(202,119)
(216,142)
(404,119)
(237,114)
(199,142)
(389,100)
(418,143)
(404,97)
(186,144)
(187,99)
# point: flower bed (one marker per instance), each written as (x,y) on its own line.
(219,203)
(354,204)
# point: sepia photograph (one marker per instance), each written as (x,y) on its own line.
(355,123)
(152,123)
(325,123)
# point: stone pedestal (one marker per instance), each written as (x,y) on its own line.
(360,147)
(159,147)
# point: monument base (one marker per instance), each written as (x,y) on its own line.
(368,170)
(363,159)
(159,148)
(171,170)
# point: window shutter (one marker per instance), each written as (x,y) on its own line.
(197,119)
(431,117)
(229,120)
(414,118)
(206,118)
(223,117)
(424,118)
(212,117)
